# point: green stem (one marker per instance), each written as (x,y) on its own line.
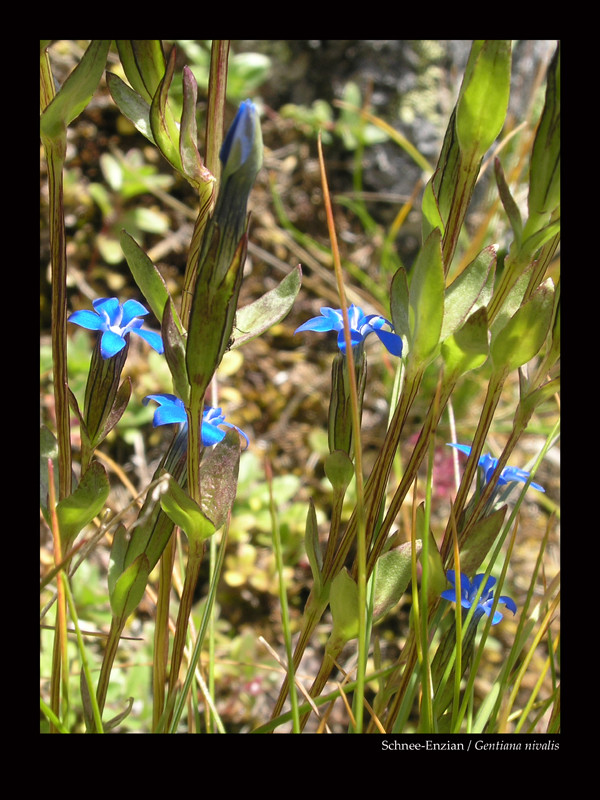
(185,608)
(161,632)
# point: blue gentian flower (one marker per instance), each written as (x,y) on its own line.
(468,593)
(171,409)
(489,464)
(361,326)
(116,321)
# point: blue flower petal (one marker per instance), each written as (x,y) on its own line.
(392,342)
(110,307)
(110,344)
(316,324)
(87,319)
(154,340)
(132,309)
(171,409)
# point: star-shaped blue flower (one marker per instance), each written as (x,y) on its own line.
(361,326)
(468,593)
(116,321)
(171,409)
(489,464)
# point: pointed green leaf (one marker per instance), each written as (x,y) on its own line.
(143,62)
(131,105)
(394,573)
(76,92)
(483,99)
(524,334)
(186,513)
(468,348)
(129,588)
(343,600)
(218,478)
(426,305)
(339,469)
(508,203)
(118,552)
(480,540)
(469,291)
(271,308)
(174,344)
(145,274)
(162,120)
(192,165)
(86,502)
(313,547)
(399,307)
(544,171)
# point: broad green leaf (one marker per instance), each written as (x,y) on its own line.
(313,547)
(129,588)
(339,469)
(480,540)
(508,203)
(143,62)
(468,348)
(432,218)
(165,128)
(174,344)
(145,274)
(399,307)
(524,334)
(483,99)
(257,317)
(191,162)
(131,105)
(470,290)
(186,513)
(544,170)
(76,92)
(394,573)
(343,600)
(426,303)
(218,478)
(118,551)
(86,502)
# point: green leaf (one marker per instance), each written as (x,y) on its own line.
(192,165)
(480,540)
(118,551)
(313,547)
(129,588)
(467,348)
(164,126)
(426,301)
(143,62)
(544,171)
(218,478)
(86,502)
(343,600)
(131,105)
(508,203)
(186,513)
(483,99)
(339,470)
(254,319)
(147,277)
(469,291)
(76,92)
(524,334)
(174,344)
(399,307)
(394,573)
